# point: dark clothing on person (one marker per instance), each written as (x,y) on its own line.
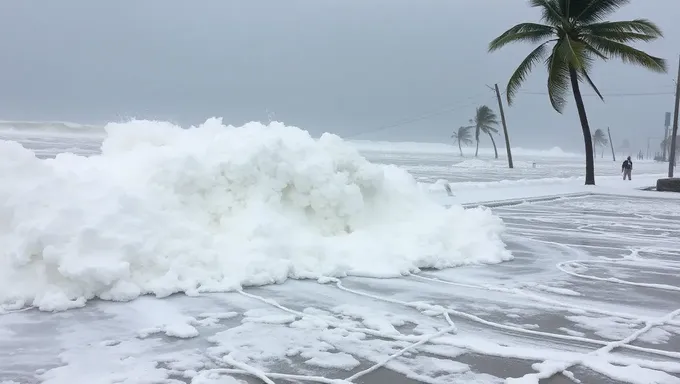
(627,168)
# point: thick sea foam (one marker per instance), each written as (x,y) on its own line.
(214,208)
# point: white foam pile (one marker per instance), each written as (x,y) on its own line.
(214,208)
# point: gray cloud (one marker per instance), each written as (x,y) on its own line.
(347,66)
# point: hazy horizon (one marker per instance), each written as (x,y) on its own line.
(381,70)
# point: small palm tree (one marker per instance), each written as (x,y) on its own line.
(599,140)
(462,136)
(484,122)
(579,35)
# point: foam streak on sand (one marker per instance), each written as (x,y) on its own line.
(165,209)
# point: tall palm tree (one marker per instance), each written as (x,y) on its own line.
(599,140)
(462,136)
(579,35)
(484,122)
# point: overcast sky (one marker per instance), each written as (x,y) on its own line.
(345,66)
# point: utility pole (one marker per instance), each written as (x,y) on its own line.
(611,143)
(674,134)
(505,127)
(664,143)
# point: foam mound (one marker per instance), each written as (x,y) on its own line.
(215,208)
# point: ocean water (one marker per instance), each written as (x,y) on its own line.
(427,162)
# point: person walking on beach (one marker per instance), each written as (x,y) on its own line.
(627,168)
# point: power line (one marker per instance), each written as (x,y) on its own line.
(608,94)
(421,117)
(447,108)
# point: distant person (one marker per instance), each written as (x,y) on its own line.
(627,168)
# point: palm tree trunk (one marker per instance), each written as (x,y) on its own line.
(505,127)
(494,144)
(611,144)
(460,149)
(587,138)
(477,149)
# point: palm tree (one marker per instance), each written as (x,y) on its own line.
(484,122)
(489,130)
(462,136)
(600,140)
(579,35)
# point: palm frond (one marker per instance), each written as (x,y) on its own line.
(588,52)
(463,134)
(593,51)
(466,130)
(550,11)
(626,37)
(523,70)
(581,36)
(626,53)
(583,74)
(487,128)
(489,120)
(558,77)
(485,116)
(525,32)
(599,137)
(624,31)
(575,53)
(595,10)
(484,110)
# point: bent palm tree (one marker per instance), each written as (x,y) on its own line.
(579,35)
(489,131)
(599,140)
(484,122)
(462,136)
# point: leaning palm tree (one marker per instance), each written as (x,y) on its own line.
(489,130)
(579,35)
(484,122)
(599,140)
(462,136)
